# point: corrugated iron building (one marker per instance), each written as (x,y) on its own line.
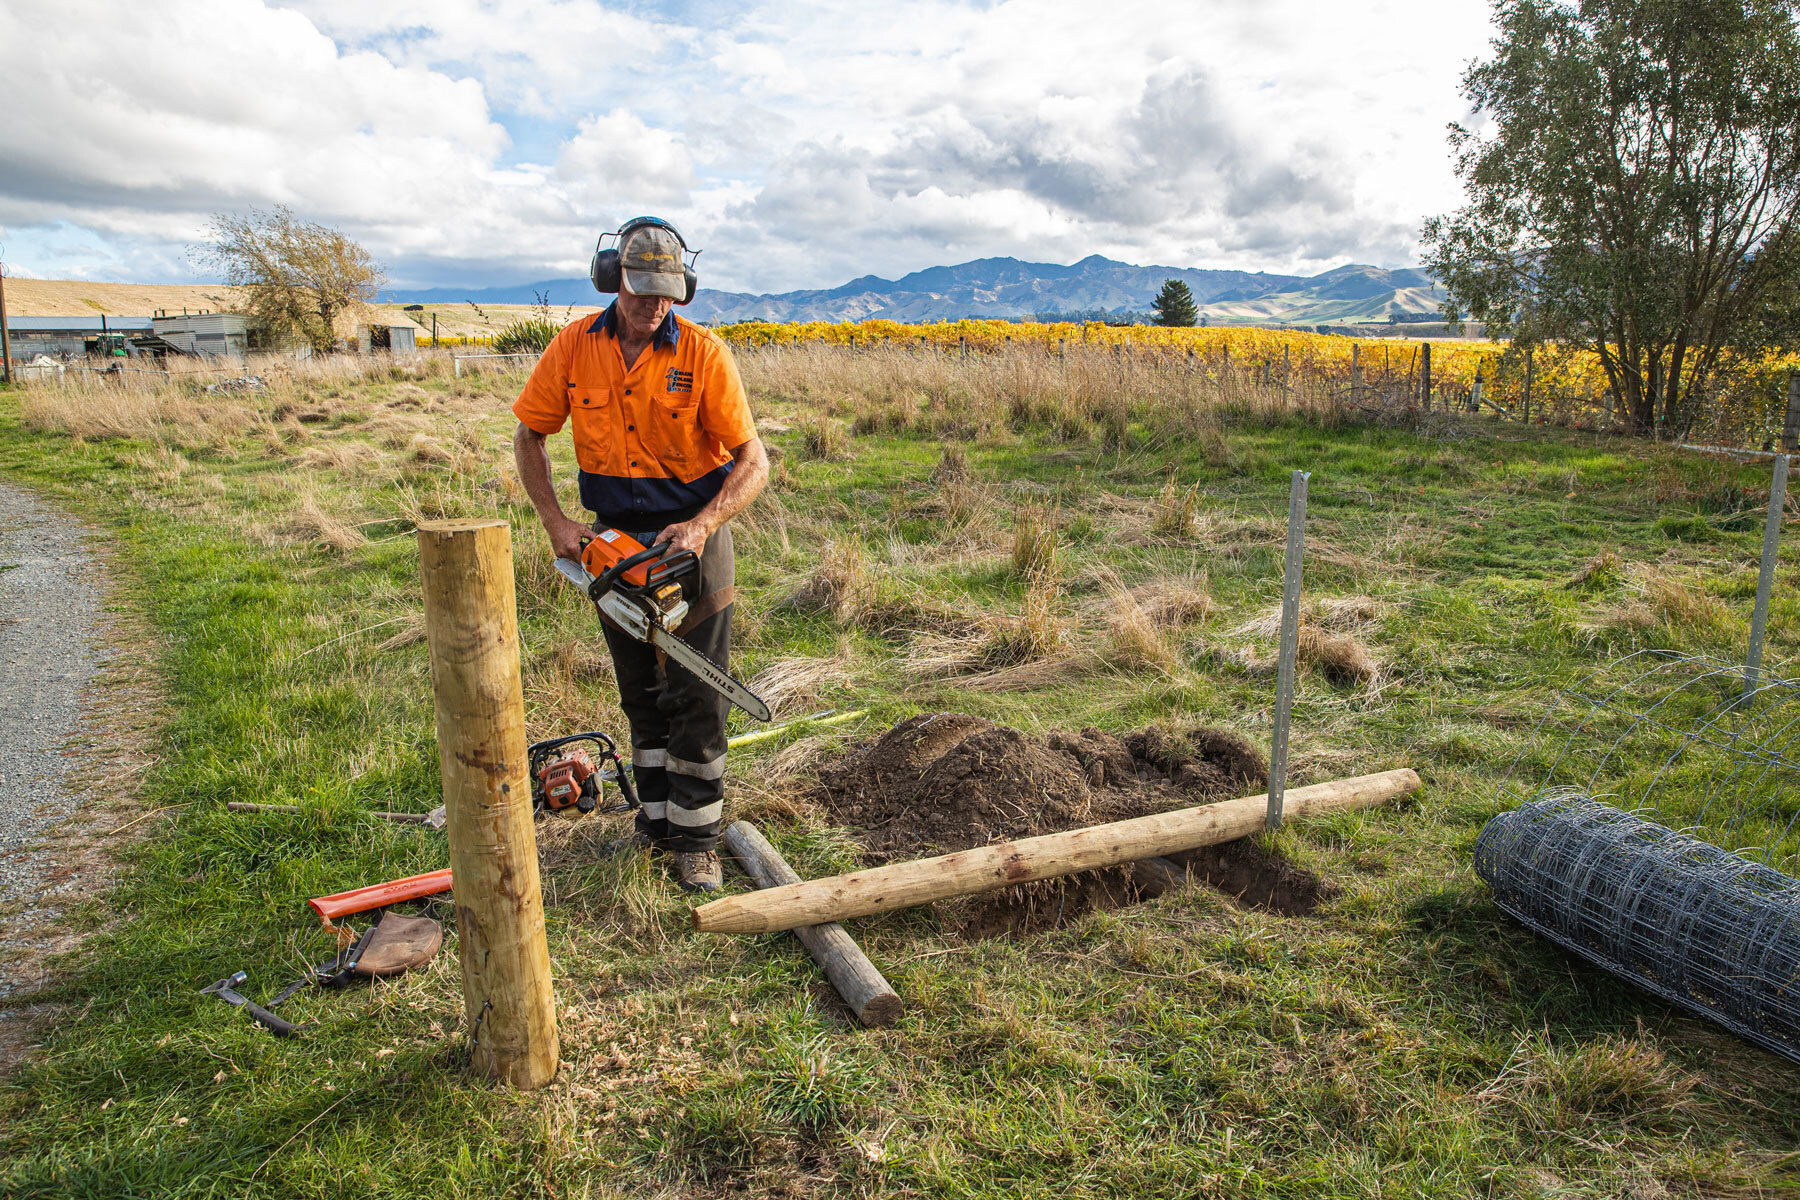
(216,335)
(98,335)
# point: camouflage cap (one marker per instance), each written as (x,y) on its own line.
(650,257)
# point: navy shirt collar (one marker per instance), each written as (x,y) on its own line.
(667,334)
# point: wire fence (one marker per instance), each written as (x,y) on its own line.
(1711,931)
(1680,738)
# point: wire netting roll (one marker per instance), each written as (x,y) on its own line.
(1703,928)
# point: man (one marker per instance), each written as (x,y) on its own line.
(668,453)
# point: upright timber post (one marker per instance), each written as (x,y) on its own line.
(471,623)
(1425,375)
(1290,645)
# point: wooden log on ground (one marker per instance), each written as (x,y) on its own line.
(832,947)
(984,868)
(471,624)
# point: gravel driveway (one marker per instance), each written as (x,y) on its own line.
(50,607)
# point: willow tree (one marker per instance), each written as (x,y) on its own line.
(1633,185)
(296,278)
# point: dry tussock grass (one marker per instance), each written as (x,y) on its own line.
(840,585)
(804,681)
(1034,545)
(1325,642)
(1001,649)
(1660,600)
(311,524)
(1082,394)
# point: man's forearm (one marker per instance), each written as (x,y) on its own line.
(741,486)
(531,455)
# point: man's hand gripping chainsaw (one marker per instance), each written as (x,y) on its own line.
(640,591)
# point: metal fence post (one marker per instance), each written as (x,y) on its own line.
(1765,581)
(1290,642)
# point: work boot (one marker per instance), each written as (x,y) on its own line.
(699,870)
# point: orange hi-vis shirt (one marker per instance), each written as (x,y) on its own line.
(653,442)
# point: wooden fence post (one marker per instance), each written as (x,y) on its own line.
(1530,363)
(1425,375)
(471,623)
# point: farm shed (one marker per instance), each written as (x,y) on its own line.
(389,339)
(96,335)
(208,334)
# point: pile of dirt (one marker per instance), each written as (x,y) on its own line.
(941,782)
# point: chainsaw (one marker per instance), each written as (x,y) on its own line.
(641,591)
(564,774)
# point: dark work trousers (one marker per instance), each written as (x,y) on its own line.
(678,722)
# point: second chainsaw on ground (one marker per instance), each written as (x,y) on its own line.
(644,592)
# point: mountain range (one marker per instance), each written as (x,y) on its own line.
(1009,288)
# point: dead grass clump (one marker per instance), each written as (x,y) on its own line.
(1174,601)
(1173,511)
(840,586)
(1034,545)
(1659,600)
(1324,644)
(823,439)
(1339,657)
(313,524)
(411,632)
(1335,613)
(1682,605)
(1036,636)
(349,457)
(790,683)
(1135,640)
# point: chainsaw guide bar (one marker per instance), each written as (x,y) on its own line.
(645,610)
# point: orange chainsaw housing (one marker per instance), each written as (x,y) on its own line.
(563,779)
(609,548)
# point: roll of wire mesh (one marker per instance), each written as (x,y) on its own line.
(1703,928)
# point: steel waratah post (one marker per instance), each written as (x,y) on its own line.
(901,885)
(472,627)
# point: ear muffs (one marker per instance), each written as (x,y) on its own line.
(604,268)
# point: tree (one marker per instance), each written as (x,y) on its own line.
(1174,305)
(296,277)
(1635,191)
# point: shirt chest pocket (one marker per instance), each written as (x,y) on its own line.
(594,413)
(677,406)
(592,401)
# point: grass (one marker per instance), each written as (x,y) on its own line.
(1049,548)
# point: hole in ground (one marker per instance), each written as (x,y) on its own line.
(1244,871)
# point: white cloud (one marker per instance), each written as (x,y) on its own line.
(802,141)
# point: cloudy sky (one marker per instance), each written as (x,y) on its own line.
(801,143)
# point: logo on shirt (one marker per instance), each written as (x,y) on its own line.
(679,381)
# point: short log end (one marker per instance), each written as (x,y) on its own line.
(882,1009)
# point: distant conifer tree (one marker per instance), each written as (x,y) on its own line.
(1175,304)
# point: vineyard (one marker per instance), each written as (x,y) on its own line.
(1550,386)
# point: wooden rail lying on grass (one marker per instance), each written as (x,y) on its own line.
(900,885)
(836,952)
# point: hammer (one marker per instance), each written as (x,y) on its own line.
(225,990)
